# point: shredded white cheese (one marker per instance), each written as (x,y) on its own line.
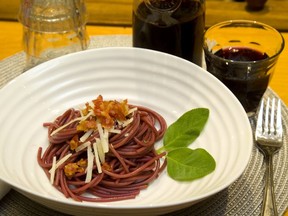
(127,122)
(62,160)
(100,150)
(86,135)
(65,125)
(131,110)
(89,169)
(97,160)
(55,165)
(83,146)
(53,170)
(113,130)
(81,112)
(103,138)
(100,130)
(105,142)
(82,118)
(91,104)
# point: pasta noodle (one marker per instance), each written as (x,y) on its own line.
(104,152)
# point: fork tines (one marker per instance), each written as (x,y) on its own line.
(269,118)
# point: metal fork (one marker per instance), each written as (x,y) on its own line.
(269,140)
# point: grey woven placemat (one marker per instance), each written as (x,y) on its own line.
(243,197)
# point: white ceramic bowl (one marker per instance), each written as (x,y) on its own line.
(165,83)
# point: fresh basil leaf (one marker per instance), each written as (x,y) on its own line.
(186,129)
(185,164)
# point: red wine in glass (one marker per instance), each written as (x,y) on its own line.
(244,71)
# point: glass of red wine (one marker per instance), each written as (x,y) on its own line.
(243,54)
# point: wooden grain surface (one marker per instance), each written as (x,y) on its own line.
(119,12)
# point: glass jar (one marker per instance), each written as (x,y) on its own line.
(52,28)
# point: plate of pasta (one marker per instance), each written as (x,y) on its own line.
(80,133)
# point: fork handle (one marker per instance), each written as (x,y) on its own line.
(269,205)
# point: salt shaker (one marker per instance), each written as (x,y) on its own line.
(172,26)
(52,28)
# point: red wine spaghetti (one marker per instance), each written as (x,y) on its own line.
(104,152)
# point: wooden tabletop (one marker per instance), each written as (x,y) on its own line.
(11,43)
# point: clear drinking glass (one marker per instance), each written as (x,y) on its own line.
(243,54)
(52,28)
